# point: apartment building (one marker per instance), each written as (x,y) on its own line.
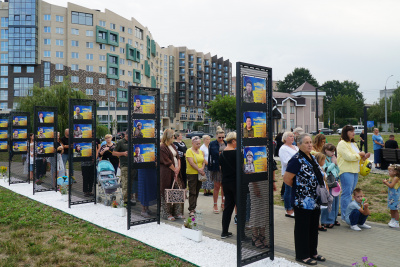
(102,53)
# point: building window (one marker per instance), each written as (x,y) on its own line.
(102,92)
(122,83)
(30,69)
(75,67)
(121,72)
(60,42)
(60,30)
(46,17)
(112,93)
(102,103)
(122,28)
(23,86)
(122,39)
(74,79)
(102,69)
(292,124)
(89,44)
(112,26)
(112,48)
(284,110)
(89,91)
(102,57)
(59,67)
(284,124)
(3,95)
(3,82)
(102,81)
(112,82)
(89,68)
(4,22)
(59,79)
(59,54)
(74,43)
(45,41)
(59,18)
(122,50)
(102,23)
(46,53)
(139,33)
(89,33)
(103,46)
(74,55)
(75,31)
(81,18)
(292,110)
(89,56)
(89,79)
(47,29)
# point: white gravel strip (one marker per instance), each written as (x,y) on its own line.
(209,252)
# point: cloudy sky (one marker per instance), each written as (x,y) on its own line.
(354,40)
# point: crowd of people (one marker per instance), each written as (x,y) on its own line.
(314,171)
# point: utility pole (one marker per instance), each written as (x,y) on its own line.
(386,127)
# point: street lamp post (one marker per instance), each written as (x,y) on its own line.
(386,103)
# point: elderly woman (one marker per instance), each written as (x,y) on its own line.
(170,165)
(286,152)
(106,150)
(377,146)
(194,166)
(303,173)
(215,148)
(181,148)
(348,162)
(207,185)
(297,131)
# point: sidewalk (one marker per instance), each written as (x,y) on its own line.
(340,245)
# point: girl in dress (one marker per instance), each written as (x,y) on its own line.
(393,194)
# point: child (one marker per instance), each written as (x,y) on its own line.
(357,212)
(329,219)
(393,194)
(321,161)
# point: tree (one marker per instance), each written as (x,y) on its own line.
(293,80)
(57,95)
(223,110)
(347,109)
(334,88)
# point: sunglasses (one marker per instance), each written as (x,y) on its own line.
(221,137)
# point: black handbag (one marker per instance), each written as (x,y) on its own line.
(331,180)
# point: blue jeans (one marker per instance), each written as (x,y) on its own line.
(287,197)
(357,218)
(330,217)
(349,182)
(65,159)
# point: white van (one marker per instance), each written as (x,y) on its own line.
(358,128)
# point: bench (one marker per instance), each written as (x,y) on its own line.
(389,156)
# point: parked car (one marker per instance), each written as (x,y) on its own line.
(198,133)
(325,131)
(339,131)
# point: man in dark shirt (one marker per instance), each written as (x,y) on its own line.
(361,140)
(391,143)
(248,130)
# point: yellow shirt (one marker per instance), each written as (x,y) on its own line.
(199,158)
(347,159)
(396,185)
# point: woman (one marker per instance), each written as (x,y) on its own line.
(60,166)
(348,162)
(105,152)
(181,148)
(377,145)
(170,166)
(279,143)
(318,144)
(304,174)
(195,164)
(215,149)
(286,152)
(227,161)
(27,159)
(207,185)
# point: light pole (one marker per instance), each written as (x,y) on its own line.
(386,103)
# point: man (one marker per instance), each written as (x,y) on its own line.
(391,143)
(15,148)
(138,108)
(249,167)
(248,131)
(64,141)
(138,158)
(121,151)
(41,119)
(15,135)
(16,121)
(138,131)
(41,134)
(248,92)
(41,149)
(78,132)
(361,140)
(78,115)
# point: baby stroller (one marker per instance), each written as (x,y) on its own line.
(109,186)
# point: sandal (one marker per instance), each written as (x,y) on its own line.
(216,211)
(171,218)
(323,229)
(307,262)
(328,225)
(264,241)
(191,213)
(337,223)
(319,258)
(254,242)
(179,216)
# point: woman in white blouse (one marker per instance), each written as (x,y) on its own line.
(286,152)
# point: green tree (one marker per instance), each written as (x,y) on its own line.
(293,80)
(223,110)
(346,108)
(57,95)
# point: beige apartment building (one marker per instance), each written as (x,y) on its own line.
(103,53)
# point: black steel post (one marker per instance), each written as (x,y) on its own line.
(316,109)
(365,129)
(239,94)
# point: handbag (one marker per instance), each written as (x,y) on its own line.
(331,181)
(175,196)
(202,178)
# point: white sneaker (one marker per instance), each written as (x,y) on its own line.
(394,224)
(355,227)
(391,223)
(365,226)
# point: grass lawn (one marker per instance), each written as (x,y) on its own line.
(33,234)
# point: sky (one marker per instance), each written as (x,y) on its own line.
(355,40)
